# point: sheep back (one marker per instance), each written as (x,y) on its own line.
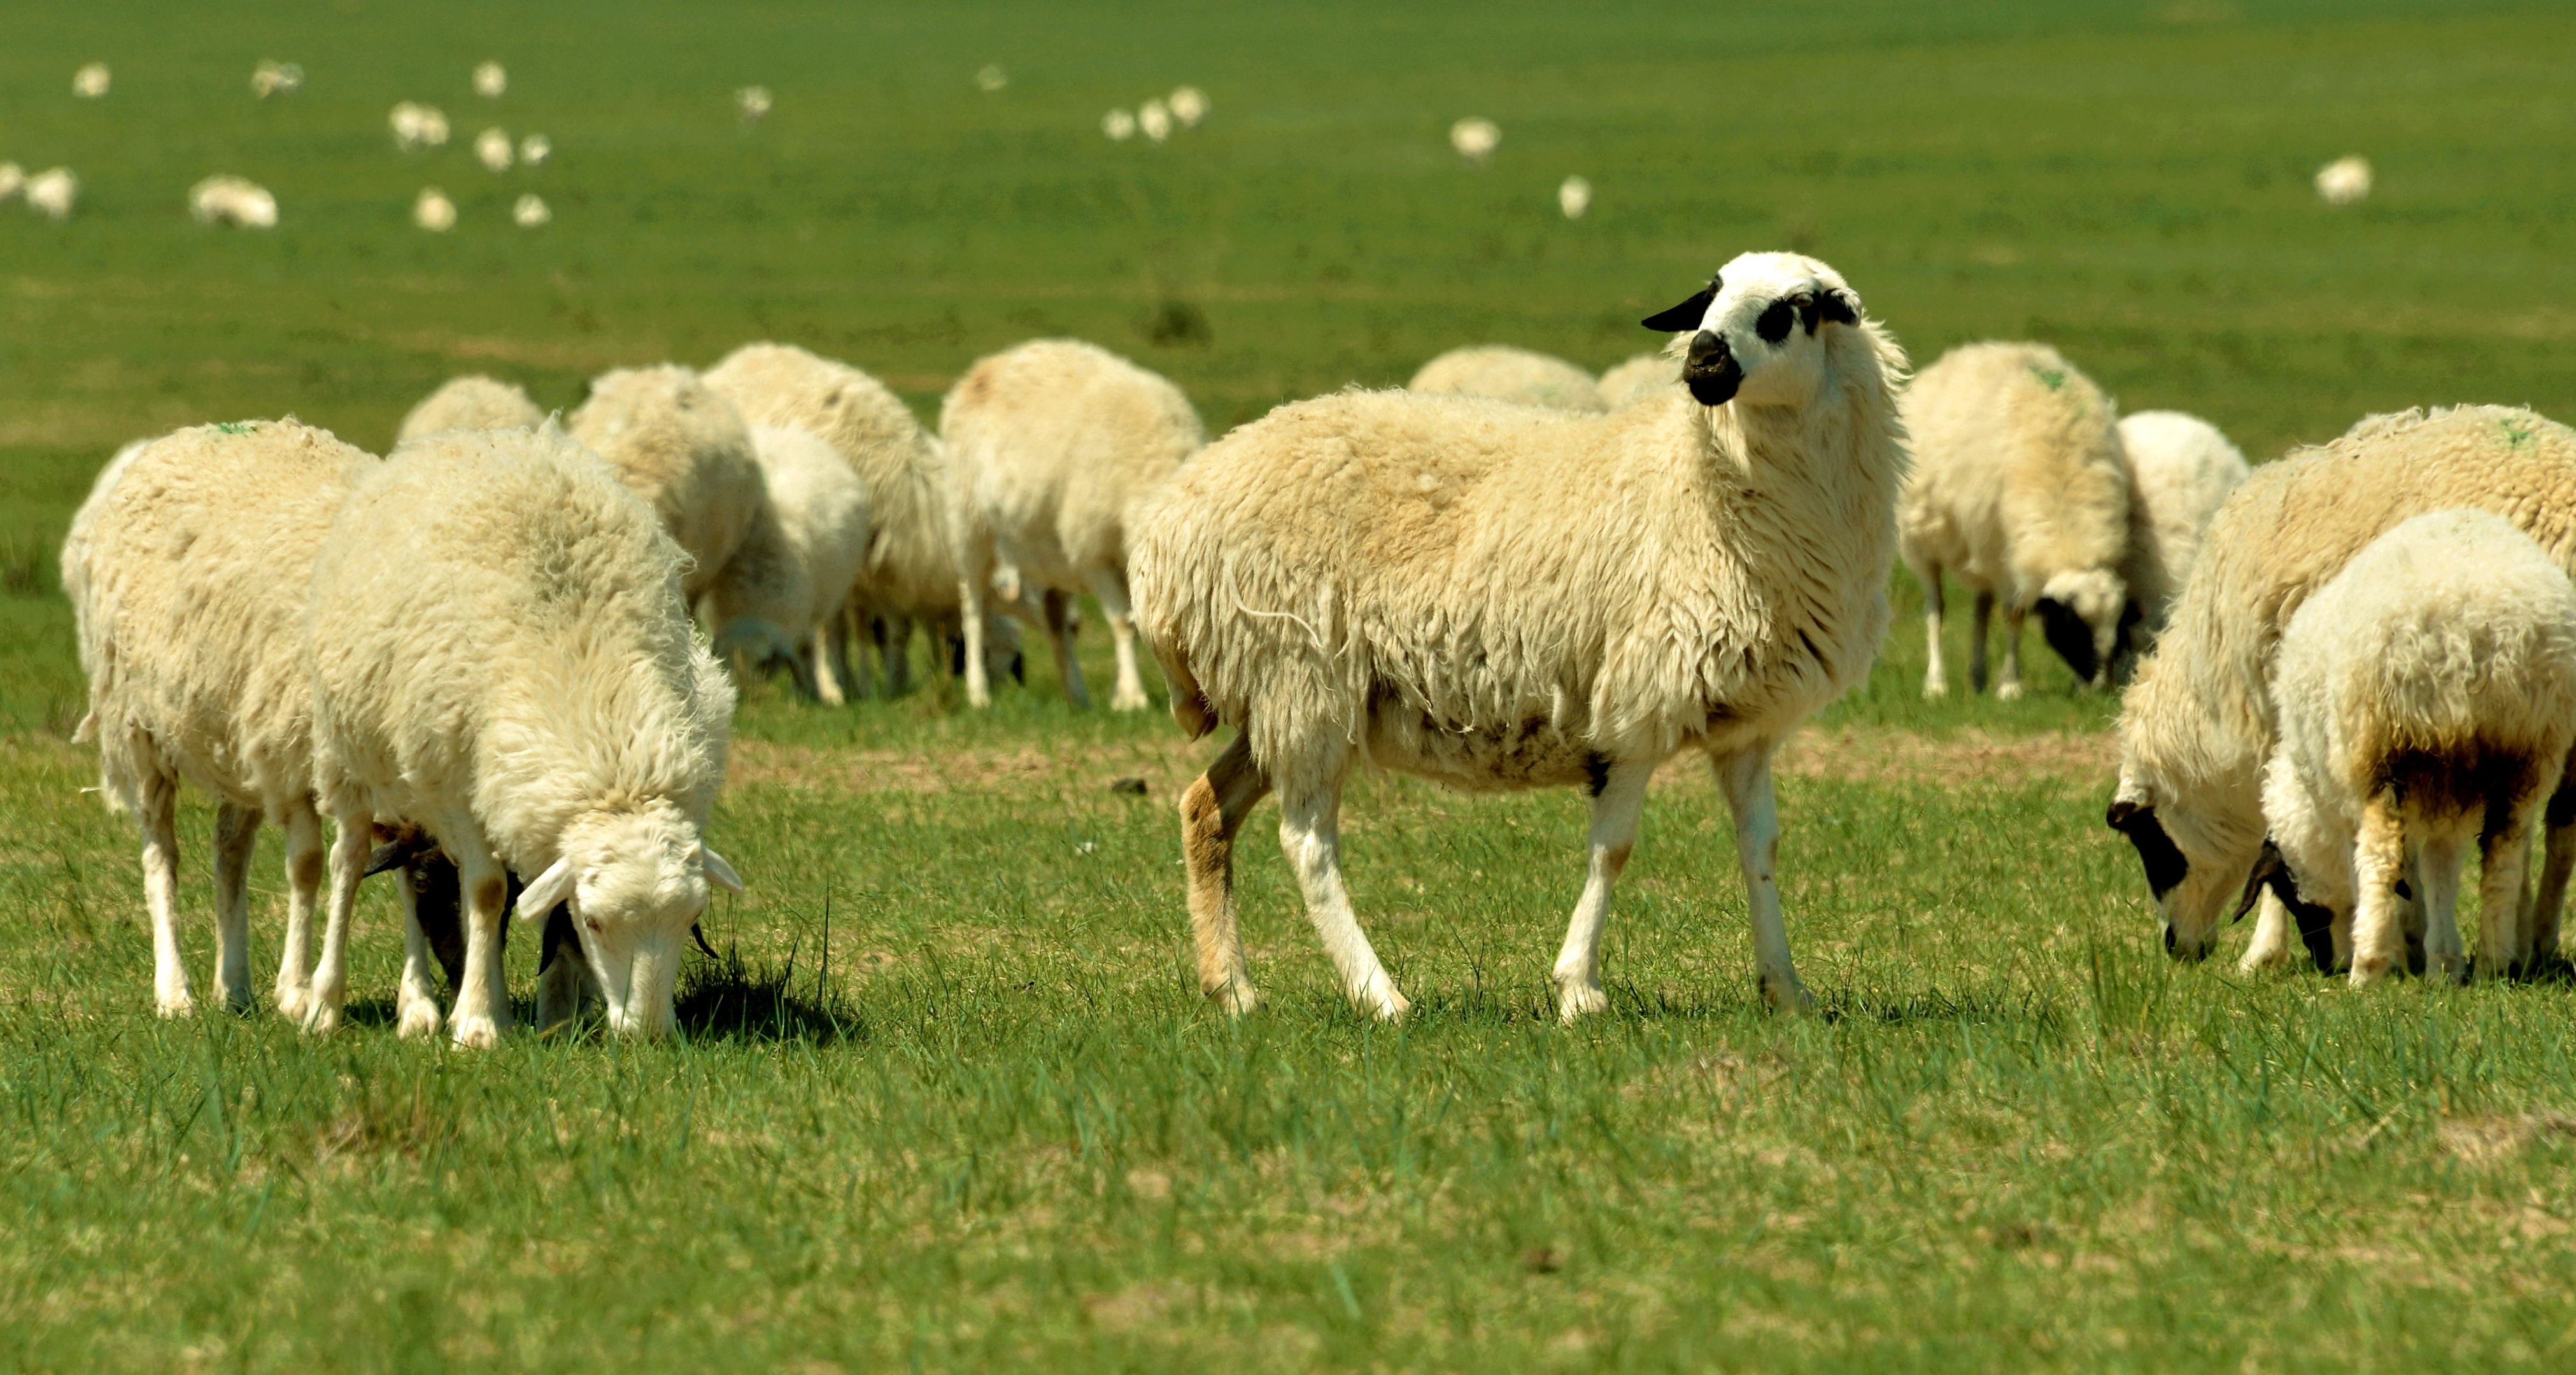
(471,402)
(683,448)
(1503,373)
(2017,470)
(2181,470)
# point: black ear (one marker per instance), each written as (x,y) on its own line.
(1839,307)
(2270,870)
(390,855)
(1687,315)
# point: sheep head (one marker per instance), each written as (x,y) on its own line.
(1755,332)
(637,880)
(2081,613)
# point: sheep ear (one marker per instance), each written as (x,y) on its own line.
(2269,867)
(393,854)
(1840,307)
(1687,315)
(719,873)
(551,887)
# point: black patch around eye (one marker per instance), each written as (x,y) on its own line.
(2161,858)
(1775,322)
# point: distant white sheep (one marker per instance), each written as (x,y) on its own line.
(1504,373)
(491,80)
(433,211)
(1052,446)
(2019,491)
(752,103)
(535,149)
(1189,106)
(471,402)
(2426,700)
(52,193)
(1475,138)
(500,652)
(1573,197)
(1646,375)
(232,200)
(91,81)
(822,512)
(493,149)
(1154,120)
(417,126)
(1506,597)
(1119,125)
(13,179)
(2181,470)
(276,79)
(2344,181)
(531,212)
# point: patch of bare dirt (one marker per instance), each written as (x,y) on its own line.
(1971,756)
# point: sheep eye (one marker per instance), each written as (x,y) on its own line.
(1776,321)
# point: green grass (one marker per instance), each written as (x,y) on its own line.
(952,1101)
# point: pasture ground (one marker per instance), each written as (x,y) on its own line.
(951,1101)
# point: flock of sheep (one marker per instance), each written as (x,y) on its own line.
(500,650)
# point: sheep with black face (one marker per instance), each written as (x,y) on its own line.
(1503,597)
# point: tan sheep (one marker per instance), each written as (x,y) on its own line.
(1504,373)
(471,402)
(2018,491)
(1051,446)
(1640,378)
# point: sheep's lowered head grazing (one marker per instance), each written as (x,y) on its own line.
(2083,616)
(637,881)
(1752,339)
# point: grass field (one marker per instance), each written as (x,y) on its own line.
(952,1101)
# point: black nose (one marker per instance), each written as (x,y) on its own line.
(1710,369)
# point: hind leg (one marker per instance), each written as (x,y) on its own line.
(236,835)
(2504,857)
(1110,587)
(1310,834)
(1614,834)
(2009,689)
(2379,865)
(158,817)
(304,869)
(1212,813)
(1981,614)
(1746,779)
(351,842)
(1936,679)
(2444,854)
(415,999)
(2557,859)
(1059,624)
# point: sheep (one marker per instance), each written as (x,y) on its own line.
(491,80)
(2181,469)
(2196,726)
(232,200)
(1051,446)
(2426,699)
(822,511)
(1475,138)
(1646,375)
(13,179)
(681,446)
(2019,491)
(493,149)
(1505,373)
(186,569)
(1573,197)
(507,662)
(530,211)
(911,572)
(1503,597)
(2344,181)
(471,402)
(433,211)
(52,193)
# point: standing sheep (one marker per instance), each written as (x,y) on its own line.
(2196,726)
(2181,470)
(822,511)
(2018,491)
(1641,378)
(1503,597)
(2426,698)
(187,569)
(1504,373)
(1052,446)
(507,662)
(471,402)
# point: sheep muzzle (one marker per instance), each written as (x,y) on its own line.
(1710,369)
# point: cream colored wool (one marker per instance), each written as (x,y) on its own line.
(1641,378)
(2426,699)
(1051,447)
(2019,492)
(2196,725)
(471,402)
(187,569)
(1504,373)
(682,447)
(822,512)
(501,654)
(2181,470)
(1499,596)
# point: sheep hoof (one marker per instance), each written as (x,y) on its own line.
(178,1005)
(1578,1000)
(2009,692)
(419,1018)
(1391,1005)
(1787,996)
(1934,692)
(321,1017)
(477,1033)
(1126,700)
(2366,972)
(291,1001)
(1237,997)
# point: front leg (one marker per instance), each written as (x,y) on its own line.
(415,1001)
(1059,626)
(1109,587)
(1936,680)
(1981,614)
(304,868)
(482,1011)
(236,835)
(1745,777)
(1212,812)
(1309,831)
(2009,690)
(351,842)
(1617,799)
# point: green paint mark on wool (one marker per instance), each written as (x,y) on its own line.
(2515,435)
(232,427)
(2052,378)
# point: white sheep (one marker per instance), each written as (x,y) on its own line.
(491,80)
(2196,726)
(1504,373)
(186,569)
(52,193)
(1475,138)
(433,211)
(2344,181)
(911,573)
(1646,375)
(2018,491)
(530,211)
(2426,700)
(1499,596)
(1051,446)
(13,180)
(1573,197)
(2181,470)
(822,511)
(232,200)
(91,81)
(471,402)
(493,149)
(500,653)
(417,126)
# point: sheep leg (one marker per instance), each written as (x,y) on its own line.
(303,893)
(1936,679)
(350,845)
(1309,831)
(1059,624)
(2504,857)
(415,999)
(831,669)
(564,982)
(1746,779)
(1981,615)
(2271,947)
(977,567)
(894,648)
(1615,808)
(1212,811)
(2439,867)
(236,835)
(158,817)
(2557,859)
(482,1010)
(1110,587)
(2379,864)
(2009,690)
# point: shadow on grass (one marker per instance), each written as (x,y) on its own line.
(724,999)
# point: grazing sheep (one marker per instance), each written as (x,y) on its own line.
(233,201)
(417,126)
(493,149)
(1505,373)
(1475,138)
(531,212)
(52,193)
(2181,470)
(91,81)
(471,402)
(508,664)
(2018,491)
(2344,181)
(187,568)
(1503,597)
(434,211)
(1646,375)
(2426,701)
(1573,197)
(911,572)
(1051,447)
(13,179)
(2196,725)
(822,511)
